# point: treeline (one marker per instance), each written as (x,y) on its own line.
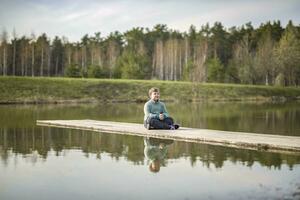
(269,54)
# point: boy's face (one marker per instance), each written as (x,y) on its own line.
(155,96)
(154,166)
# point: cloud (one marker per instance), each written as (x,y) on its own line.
(76,18)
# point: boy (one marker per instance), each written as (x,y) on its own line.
(155,152)
(156,115)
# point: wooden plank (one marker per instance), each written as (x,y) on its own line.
(265,142)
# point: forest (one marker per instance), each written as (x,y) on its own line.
(266,55)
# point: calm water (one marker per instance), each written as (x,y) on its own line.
(51,163)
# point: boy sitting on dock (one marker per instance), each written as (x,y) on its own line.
(156,115)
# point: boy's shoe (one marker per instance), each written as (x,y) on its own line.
(172,127)
(148,126)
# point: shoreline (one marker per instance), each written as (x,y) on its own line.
(93,101)
(42,90)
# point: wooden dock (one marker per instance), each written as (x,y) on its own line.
(264,142)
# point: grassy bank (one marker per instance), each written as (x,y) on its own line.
(62,90)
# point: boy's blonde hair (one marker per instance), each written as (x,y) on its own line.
(154,89)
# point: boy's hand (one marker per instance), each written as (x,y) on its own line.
(161,116)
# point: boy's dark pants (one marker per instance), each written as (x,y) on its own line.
(159,124)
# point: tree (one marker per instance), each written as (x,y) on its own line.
(132,65)
(4,53)
(33,47)
(135,40)
(187,70)
(23,55)
(85,40)
(14,43)
(239,54)
(215,70)
(243,60)
(288,55)
(57,57)
(112,49)
(220,43)
(43,52)
(264,59)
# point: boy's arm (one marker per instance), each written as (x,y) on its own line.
(148,113)
(165,112)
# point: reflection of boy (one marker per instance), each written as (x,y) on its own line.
(156,115)
(155,151)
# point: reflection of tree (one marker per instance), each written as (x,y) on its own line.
(217,155)
(238,116)
(40,140)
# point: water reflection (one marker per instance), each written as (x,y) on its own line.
(155,152)
(248,117)
(33,142)
(56,162)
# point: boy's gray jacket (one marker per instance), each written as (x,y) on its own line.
(152,109)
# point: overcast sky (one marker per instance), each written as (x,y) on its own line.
(74,18)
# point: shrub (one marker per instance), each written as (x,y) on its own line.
(72,71)
(94,71)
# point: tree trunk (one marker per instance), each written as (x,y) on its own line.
(56,66)
(14,59)
(92,59)
(161,60)
(99,58)
(32,62)
(42,62)
(267,79)
(26,60)
(22,63)
(180,62)
(82,59)
(49,61)
(4,62)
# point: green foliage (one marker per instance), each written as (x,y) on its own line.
(188,70)
(288,54)
(279,81)
(220,43)
(215,70)
(243,61)
(94,71)
(73,71)
(247,55)
(231,73)
(264,61)
(133,66)
(84,72)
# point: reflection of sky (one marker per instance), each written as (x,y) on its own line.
(76,18)
(74,176)
(121,171)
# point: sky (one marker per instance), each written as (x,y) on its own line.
(75,18)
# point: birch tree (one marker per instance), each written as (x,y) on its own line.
(4,51)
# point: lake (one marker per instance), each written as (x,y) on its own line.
(53,163)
